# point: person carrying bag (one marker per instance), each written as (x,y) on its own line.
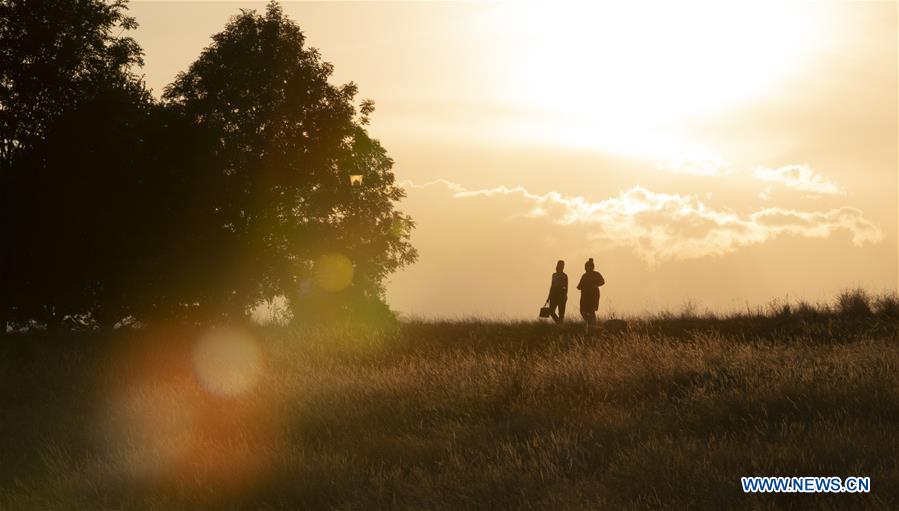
(558,295)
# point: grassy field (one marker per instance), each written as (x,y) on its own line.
(458,415)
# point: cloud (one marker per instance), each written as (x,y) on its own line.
(798,177)
(661,226)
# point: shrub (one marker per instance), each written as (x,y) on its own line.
(854,303)
(887,305)
(806,310)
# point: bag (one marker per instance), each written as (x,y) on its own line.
(544,311)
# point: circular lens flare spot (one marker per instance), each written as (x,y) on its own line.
(227,361)
(333,272)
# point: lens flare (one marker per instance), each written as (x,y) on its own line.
(148,429)
(227,361)
(333,272)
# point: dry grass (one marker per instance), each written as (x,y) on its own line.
(462,415)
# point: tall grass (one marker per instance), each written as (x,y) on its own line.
(463,415)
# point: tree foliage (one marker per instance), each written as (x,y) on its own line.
(71,110)
(233,188)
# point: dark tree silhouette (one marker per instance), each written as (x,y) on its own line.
(70,108)
(279,144)
(235,188)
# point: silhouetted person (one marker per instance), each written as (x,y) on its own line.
(558,293)
(589,285)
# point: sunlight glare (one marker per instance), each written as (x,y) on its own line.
(625,77)
(148,429)
(227,361)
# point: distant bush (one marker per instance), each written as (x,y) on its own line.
(689,310)
(780,310)
(854,303)
(806,310)
(887,305)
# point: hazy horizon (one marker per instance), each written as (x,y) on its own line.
(722,155)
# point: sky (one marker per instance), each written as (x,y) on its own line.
(722,155)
